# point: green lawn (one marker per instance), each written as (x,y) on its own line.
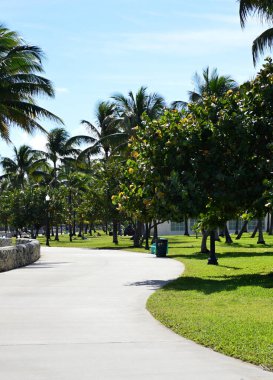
(96,242)
(228,307)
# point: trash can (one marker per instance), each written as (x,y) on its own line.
(153,248)
(161,247)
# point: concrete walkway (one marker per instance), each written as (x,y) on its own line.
(80,314)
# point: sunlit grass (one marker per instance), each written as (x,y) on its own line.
(102,241)
(228,307)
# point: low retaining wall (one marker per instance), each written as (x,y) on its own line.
(25,252)
(5,242)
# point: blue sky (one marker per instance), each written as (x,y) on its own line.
(97,48)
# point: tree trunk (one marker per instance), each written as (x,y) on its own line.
(155,236)
(227,235)
(268,222)
(222,233)
(237,227)
(254,231)
(212,258)
(243,229)
(147,230)
(57,233)
(61,229)
(270,232)
(205,235)
(74,223)
(52,231)
(115,231)
(217,238)
(260,229)
(106,227)
(80,230)
(186,220)
(137,235)
(86,229)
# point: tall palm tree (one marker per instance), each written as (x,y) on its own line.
(101,134)
(132,108)
(20,84)
(26,166)
(210,83)
(264,10)
(58,146)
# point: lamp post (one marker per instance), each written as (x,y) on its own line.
(47,198)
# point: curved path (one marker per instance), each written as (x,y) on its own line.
(80,314)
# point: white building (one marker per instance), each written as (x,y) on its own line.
(174,228)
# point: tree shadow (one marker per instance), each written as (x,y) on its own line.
(232,254)
(217,284)
(151,284)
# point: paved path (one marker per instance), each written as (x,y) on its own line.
(80,314)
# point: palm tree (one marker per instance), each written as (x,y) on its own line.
(264,10)
(132,108)
(26,166)
(20,84)
(58,146)
(102,134)
(210,84)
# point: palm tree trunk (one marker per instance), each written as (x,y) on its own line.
(227,235)
(260,229)
(212,258)
(243,229)
(186,220)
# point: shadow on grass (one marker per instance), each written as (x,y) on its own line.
(220,283)
(204,256)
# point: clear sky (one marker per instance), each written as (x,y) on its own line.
(97,48)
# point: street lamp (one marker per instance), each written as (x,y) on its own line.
(47,198)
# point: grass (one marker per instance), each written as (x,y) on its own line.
(228,307)
(94,242)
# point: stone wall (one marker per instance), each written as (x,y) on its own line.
(25,252)
(5,242)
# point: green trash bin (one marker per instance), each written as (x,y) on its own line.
(153,248)
(161,247)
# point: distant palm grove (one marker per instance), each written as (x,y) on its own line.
(142,161)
